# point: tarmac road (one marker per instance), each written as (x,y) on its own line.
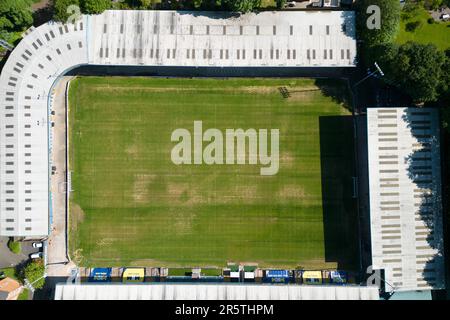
(9,259)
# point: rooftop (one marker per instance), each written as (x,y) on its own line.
(405,197)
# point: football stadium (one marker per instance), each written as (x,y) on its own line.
(209,147)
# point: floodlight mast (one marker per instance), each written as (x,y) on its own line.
(377,69)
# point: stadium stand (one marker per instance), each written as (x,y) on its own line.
(25,98)
(212,292)
(405,197)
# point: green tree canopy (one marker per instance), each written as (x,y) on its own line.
(61,9)
(241,5)
(95,6)
(446,75)
(444,99)
(417,69)
(389,21)
(15,15)
(5,24)
(146,4)
(34,271)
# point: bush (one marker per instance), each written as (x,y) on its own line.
(95,6)
(14,246)
(412,26)
(430,20)
(242,6)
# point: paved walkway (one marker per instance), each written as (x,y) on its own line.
(437,14)
(57,259)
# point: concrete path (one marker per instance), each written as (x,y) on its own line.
(58,264)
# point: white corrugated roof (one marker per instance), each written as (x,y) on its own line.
(405,197)
(158,291)
(265,39)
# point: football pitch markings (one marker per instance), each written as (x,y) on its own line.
(131,205)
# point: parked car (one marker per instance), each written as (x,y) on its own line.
(36,255)
(38,244)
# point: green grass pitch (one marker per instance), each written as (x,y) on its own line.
(130,205)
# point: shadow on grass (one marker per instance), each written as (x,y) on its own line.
(340,217)
(337,90)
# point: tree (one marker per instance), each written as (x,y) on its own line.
(444,98)
(62,12)
(446,75)
(242,6)
(146,3)
(95,6)
(432,4)
(15,15)
(389,21)
(5,24)
(417,69)
(34,272)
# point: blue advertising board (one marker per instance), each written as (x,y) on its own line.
(100,275)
